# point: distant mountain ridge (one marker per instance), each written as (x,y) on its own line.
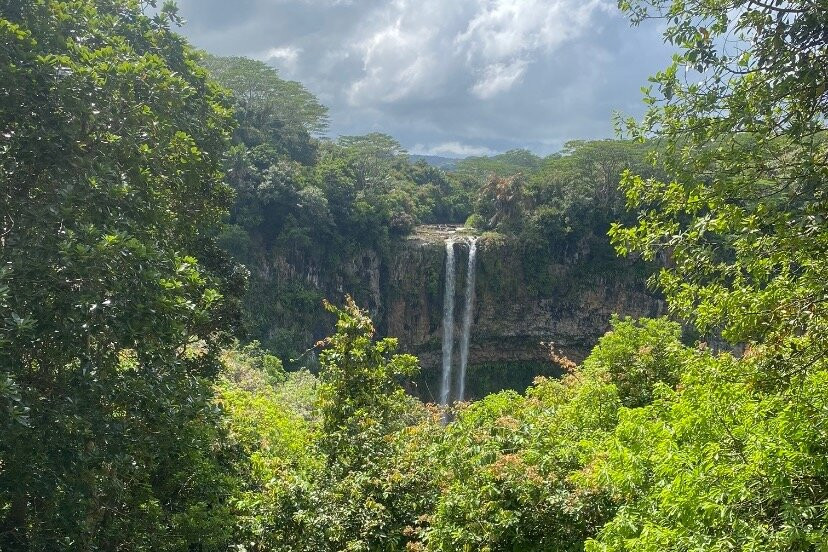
(445,163)
(501,164)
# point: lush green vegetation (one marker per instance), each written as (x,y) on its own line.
(311,203)
(115,302)
(132,419)
(306,208)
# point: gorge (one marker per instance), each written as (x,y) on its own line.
(520,299)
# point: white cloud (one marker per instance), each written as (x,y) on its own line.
(284,57)
(504,29)
(505,36)
(498,77)
(415,47)
(396,63)
(452,149)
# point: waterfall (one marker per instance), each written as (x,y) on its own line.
(468,312)
(448,323)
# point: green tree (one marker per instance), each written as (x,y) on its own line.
(733,458)
(114,301)
(719,464)
(360,396)
(576,190)
(272,421)
(270,110)
(742,220)
(637,356)
(371,157)
(505,201)
(516,471)
(376,484)
(501,165)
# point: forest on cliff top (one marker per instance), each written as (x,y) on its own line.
(321,203)
(144,404)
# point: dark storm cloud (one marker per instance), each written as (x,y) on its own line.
(447,76)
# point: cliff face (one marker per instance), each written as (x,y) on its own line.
(522,299)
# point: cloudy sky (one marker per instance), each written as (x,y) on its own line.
(447,77)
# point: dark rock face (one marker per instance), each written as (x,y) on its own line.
(518,305)
(522,299)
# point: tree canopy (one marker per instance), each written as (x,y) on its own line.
(114,300)
(263,95)
(743,216)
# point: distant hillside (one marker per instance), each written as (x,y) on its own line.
(445,163)
(503,164)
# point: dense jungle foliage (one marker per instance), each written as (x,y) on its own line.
(319,204)
(131,418)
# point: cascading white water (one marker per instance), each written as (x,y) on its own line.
(448,323)
(468,312)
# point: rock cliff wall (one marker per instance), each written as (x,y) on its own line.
(522,299)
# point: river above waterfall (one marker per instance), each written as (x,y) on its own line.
(438,233)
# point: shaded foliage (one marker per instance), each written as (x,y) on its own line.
(114,299)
